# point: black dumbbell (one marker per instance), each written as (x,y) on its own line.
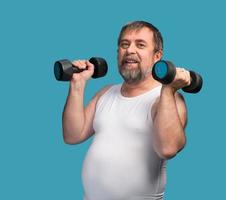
(165,71)
(63,69)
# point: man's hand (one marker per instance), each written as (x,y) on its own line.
(182,79)
(84,75)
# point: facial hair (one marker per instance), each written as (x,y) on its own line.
(132,76)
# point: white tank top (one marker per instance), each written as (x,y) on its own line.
(121,163)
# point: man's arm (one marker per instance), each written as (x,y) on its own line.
(170,117)
(77,120)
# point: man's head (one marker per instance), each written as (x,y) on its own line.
(140,45)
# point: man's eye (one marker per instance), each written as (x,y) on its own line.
(124,45)
(141,45)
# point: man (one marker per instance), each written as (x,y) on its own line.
(137,125)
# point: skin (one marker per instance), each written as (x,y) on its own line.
(136,55)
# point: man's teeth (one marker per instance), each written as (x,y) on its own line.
(131,61)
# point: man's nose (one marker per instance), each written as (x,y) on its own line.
(131,48)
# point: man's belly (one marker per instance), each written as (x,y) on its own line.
(116,170)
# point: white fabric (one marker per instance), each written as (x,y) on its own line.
(121,163)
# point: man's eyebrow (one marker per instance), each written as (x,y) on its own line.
(140,40)
(124,40)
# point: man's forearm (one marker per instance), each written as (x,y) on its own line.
(74,114)
(169,135)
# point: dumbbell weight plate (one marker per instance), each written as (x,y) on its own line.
(163,71)
(63,70)
(196,83)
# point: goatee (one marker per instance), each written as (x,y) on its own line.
(131,76)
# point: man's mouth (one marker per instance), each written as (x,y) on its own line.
(130,61)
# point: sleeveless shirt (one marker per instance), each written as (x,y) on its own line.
(121,163)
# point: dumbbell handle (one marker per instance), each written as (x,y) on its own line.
(165,71)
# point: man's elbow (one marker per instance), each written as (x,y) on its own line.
(69,139)
(169,153)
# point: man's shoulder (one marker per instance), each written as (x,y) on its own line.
(102,91)
(105,89)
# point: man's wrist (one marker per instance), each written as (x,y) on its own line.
(167,89)
(78,86)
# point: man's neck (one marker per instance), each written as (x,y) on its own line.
(132,90)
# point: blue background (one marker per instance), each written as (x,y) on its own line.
(34,161)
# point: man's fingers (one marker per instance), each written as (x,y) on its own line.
(89,65)
(81,64)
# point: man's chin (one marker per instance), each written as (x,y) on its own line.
(130,66)
(131,81)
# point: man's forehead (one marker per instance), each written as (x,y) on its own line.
(138,34)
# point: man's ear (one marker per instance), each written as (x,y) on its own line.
(158,55)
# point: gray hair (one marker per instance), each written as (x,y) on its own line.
(137,25)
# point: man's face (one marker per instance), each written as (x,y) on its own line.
(136,55)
